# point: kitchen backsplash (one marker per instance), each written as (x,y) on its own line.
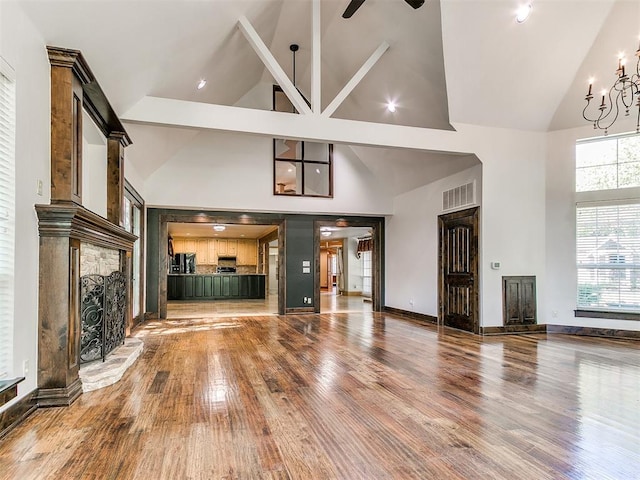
(208,269)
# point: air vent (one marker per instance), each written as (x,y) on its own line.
(459,197)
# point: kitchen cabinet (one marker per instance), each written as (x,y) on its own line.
(221,247)
(212,251)
(178,245)
(208,250)
(247,252)
(184,245)
(227,247)
(202,251)
(215,287)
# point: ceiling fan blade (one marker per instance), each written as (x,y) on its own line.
(415,3)
(352,7)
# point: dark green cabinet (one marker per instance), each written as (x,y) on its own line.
(215,287)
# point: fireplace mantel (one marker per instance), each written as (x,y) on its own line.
(75,221)
(64,227)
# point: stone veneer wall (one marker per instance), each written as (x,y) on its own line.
(98,260)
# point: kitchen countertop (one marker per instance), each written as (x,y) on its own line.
(209,274)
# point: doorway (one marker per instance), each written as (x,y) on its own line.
(347,276)
(458,267)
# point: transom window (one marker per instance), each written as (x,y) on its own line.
(608,164)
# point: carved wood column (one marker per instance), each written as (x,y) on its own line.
(68,72)
(115,178)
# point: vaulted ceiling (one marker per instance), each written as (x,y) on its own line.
(449,62)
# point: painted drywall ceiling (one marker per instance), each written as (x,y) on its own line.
(619,34)
(205,230)
(458,61)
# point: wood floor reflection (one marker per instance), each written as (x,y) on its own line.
(350,396)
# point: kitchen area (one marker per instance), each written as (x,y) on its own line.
(218,262)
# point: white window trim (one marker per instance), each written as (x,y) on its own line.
(7,226)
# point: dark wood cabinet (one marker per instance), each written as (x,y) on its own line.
(519,300)
(215,287)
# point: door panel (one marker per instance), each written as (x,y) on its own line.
(458,244)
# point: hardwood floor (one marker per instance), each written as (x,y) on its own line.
(350,396)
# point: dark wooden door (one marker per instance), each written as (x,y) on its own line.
(458,258)
(519,300)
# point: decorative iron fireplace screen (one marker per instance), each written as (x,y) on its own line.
(103,314)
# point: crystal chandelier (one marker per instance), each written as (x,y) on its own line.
(621,97)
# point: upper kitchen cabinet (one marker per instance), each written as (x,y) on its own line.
(202,252)
(247,252)
(227,247)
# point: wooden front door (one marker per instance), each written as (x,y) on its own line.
(458,258)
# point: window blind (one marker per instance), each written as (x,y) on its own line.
(608,256)
(7,216)
(366,273)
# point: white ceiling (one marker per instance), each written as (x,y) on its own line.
(459,61)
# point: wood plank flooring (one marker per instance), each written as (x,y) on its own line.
(349,396)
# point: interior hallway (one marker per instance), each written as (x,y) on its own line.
(351,396)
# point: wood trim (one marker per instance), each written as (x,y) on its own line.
(115,180)
(296,310)
(377,257)
(94,100)
(422,317)
(594,332)
(282,267)
(504,330)
(609,315)
(17,413)
(137,200)
(216,217)
(74,221)
(352,293)
(59,396)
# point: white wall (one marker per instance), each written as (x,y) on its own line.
(512,216)
(24,49)
(560,237)
(411,247)
(235,172)
(512,224)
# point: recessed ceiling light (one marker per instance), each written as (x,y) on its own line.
(290,170)
(317,170)
(219,228)
(523,13)
(242,234)
(201,83)
(391,106)
(326,234)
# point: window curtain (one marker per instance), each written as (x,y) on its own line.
(364,245)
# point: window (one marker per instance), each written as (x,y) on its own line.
(133,205)
(608,224)
(608,164)
(366,273)
(300,168)
(7,215)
